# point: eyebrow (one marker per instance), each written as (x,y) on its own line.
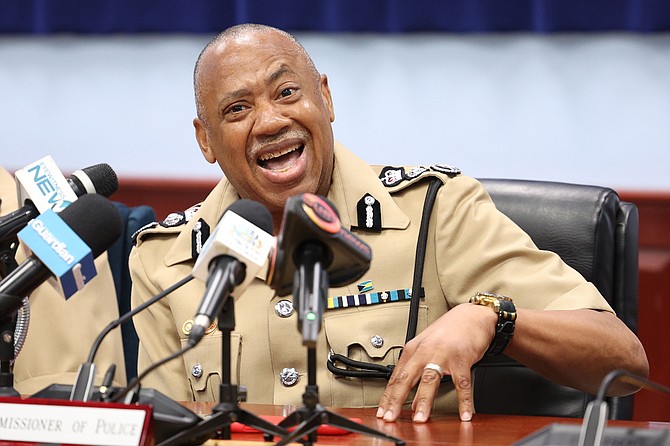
(231,97)
(279,73)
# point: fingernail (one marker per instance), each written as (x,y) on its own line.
(466,416)
(388,416)
(380,412)
(420,417)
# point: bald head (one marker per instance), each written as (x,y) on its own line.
(244,33)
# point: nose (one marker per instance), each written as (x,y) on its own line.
(269,119)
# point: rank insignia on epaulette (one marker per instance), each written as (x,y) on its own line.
(151,225)
(415,172)
(174,219)
(445,168)
(392,176)
(369,214)
(199,236)
(190,212)
(359,300)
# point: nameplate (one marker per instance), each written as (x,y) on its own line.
(74,422)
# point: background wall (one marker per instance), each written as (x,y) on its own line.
(589,108)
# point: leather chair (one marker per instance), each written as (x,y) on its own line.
(597,234)
(133,217)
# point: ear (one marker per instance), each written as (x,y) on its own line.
(327,98)
(203,140)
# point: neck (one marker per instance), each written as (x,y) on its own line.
(276,221)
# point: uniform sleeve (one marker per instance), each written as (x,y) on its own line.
(61,333)
(479,249)
(158,337)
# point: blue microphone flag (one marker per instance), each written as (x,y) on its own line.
(61,250)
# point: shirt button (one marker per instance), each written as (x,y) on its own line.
(289,377)
(284,308)
(377,341)
(187,326)
(196,370)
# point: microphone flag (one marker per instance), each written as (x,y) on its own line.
(60,249)
(43,183)
(235,235)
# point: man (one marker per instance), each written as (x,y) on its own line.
(264,115)
(60,333)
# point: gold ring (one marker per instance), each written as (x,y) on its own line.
(435,367)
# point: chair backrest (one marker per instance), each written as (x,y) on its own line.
(133,218)
(597,234)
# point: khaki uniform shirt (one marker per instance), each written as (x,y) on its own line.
(471,247)
(60,333)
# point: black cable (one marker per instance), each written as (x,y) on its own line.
(135,381)
(133,312)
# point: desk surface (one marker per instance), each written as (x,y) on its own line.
(489,430)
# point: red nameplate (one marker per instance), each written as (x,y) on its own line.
(324,429)
(39,420)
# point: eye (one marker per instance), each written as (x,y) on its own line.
(287,92)
(235,108)
(235,112)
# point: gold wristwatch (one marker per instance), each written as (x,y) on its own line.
(506,311)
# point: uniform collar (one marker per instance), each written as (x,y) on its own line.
(218,200)
(353,178)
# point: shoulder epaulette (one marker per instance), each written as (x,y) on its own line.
(169,225)
(399,178)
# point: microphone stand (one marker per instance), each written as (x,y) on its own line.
(7,322)
(310,289)
(228,410)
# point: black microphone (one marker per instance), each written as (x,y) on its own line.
(314,252)
(236,250)
(93,218)
(97,179)
(593,430)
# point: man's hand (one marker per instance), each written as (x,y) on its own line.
(455,342)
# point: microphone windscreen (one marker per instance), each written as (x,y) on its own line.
(103,178)
(253,212)
(96,220)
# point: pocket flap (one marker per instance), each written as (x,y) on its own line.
(368,328)
(204,360)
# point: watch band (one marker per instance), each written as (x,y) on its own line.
(506,310)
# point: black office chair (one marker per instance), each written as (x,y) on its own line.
(597,234)
(134,217)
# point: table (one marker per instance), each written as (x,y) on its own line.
(442,429)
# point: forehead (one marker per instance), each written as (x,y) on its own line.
(253,56)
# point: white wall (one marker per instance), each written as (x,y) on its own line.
(579,108)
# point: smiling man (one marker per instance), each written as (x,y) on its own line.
(264,115)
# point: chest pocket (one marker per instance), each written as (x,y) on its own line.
(374,334)
(203,365)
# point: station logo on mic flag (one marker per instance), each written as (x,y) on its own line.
(44,184)
(61,250)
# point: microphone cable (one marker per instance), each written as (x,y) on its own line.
(131,313)
(595,419)
(135,382)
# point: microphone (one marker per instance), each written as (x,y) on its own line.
(314,252)
(234,253)
(92,221)
(593,430)
(47,187)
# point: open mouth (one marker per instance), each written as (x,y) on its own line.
(282,160)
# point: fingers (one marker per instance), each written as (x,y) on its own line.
(397,389)
(429,385)
(463,383)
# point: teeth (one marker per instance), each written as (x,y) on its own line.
(269,156)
